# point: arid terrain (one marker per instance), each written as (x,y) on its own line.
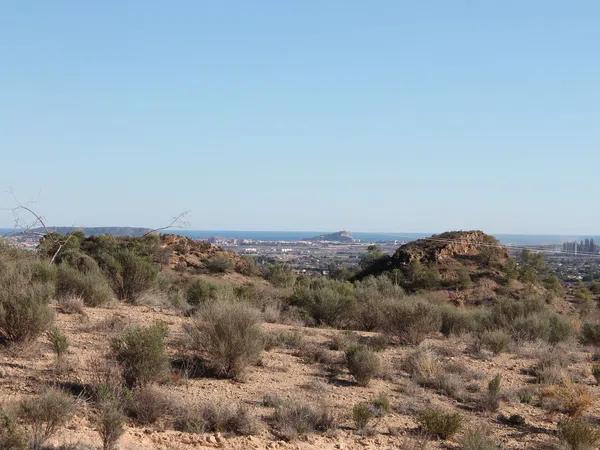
(449,343)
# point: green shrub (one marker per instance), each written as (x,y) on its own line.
(293,419)
(579,434)
(411,320)
(363,364)
(201,291)
(326,301)
(110,424)
(439,423)
(219,263)
(91,286)
(457,321)
(58,342)
(12,437)
(362,414)
(496,341)
(280,275)
(216,418)
(590,334)
(24,295)
(141,353)
(229,334)
(45,414)
(129,273)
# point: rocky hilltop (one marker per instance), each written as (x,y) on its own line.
(450,246)
(463,264)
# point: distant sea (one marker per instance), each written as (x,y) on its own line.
(507,239)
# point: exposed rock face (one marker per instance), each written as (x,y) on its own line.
(448,246)
(185,253)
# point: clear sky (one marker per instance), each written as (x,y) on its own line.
(290,115)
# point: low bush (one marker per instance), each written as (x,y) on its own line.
(596,372)
(293,419)
(578,434)
(280,275)
(91,286)
(478,438)
(110,424)
(438,423)
(71,305)
(216,418)
(363,364)
(411,320)
(229,334)
(141,353)
(201,291)
(147,404)
(590,334)
(497,341)
(45,414)
(25,290)
(129,273)
(568,397)
(492,398)
(326,301)
(12,437)
(219,263)
(362,414)
(58,342)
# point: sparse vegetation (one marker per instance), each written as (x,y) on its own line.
(478,438)
(218,417)
(45,414)
(293,419)
(109,424)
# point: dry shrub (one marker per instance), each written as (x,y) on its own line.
(293,339)
(12,437)
(590,334)
(141,353)
(497,341)
(91,286)
(218,417)
(363,364)
(411,320)
(293,419)
(551,368)
(110,424)
(147,404)
(596,372)
(569,398)
(71,304)
(478,438)
(426,369)
(45,414)
(229,334)
(492,399)
(439,423)
(578,434)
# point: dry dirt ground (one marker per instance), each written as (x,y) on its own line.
(283,372)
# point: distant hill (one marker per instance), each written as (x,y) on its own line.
(339,236)
(96,231)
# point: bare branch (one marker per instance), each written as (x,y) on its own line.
(177,220)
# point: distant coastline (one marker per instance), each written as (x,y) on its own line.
(265,235)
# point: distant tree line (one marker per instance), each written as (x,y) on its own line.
(585,246)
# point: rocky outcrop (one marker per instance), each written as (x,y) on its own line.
(339,236)
(452,245)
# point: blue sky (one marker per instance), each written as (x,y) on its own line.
(316,115)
